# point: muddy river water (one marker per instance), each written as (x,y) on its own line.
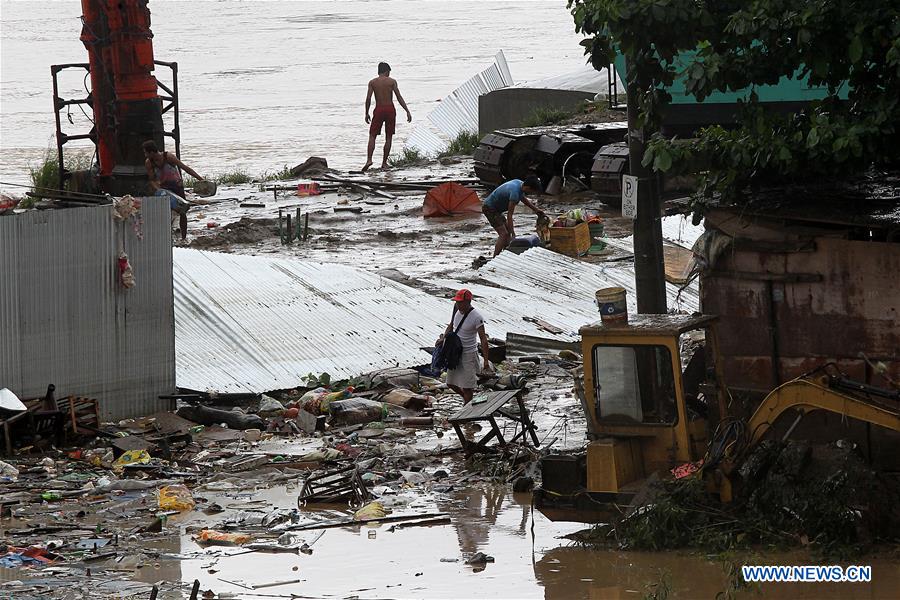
(263,84)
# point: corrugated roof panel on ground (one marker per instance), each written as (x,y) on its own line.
(503,66)
(246,323)
(505,310)
(458,111)
(449,118)
(548,272)
(255,324)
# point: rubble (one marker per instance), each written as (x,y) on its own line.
(100,509)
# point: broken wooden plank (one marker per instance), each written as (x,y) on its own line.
(423,183)
(543,325)
(352,522)
(364,187)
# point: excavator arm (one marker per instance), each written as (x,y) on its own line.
(806,395)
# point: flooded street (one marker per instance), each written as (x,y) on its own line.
(269,84)
(264,84)
(532,560)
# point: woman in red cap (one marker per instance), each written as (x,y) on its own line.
(468,324)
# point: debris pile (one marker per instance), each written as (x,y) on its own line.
(795,494)
(375,448)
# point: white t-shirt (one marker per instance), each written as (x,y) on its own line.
(468,333)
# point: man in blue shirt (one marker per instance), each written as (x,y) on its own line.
(504,199)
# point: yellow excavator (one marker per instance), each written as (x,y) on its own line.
(654,398)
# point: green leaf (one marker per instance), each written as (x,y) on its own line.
(855,50)
(663,161)
(812,139)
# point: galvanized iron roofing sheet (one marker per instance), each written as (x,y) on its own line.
(560,279)
(249,323)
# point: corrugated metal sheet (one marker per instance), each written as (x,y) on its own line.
(64,318)
(585,79)
(458,111)
(570,282)
(426,141)
(247,323)
(677,229)
(503,66)
(505,309)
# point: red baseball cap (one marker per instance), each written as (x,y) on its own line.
(462,295)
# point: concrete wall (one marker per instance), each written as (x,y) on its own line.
(65,318)
(827,301)
(507,108)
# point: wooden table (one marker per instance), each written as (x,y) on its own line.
(487,407)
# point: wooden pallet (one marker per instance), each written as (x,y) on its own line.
(338,485)
(83,414)
(75,416)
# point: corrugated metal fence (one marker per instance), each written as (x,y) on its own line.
(65,319)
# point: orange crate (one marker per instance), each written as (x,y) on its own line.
(572,241)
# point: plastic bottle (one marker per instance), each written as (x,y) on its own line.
(51,496)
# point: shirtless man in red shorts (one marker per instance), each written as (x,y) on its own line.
(384,87)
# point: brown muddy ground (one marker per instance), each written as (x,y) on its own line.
(391,234)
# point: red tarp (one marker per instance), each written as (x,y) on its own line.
(450,199)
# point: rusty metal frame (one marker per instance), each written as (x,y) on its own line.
(172,99)
(60,103)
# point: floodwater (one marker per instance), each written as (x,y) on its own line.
(532,559)
(264,84)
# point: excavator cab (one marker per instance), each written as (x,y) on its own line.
(653,394)
(648,405)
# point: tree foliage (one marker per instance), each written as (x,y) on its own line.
(849,48)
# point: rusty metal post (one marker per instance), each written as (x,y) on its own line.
(649,268)
(54,70)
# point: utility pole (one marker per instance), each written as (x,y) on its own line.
(649,267)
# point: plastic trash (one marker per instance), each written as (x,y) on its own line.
(175,497)
(100,457)
(210,537)
(51,496)
(269,407)
(8,472)
(370,512)
(132,457)
(356,411)
(252,435)
(318,402)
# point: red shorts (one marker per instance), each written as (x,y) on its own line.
(386,115)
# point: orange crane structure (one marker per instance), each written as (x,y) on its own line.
(124,97)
